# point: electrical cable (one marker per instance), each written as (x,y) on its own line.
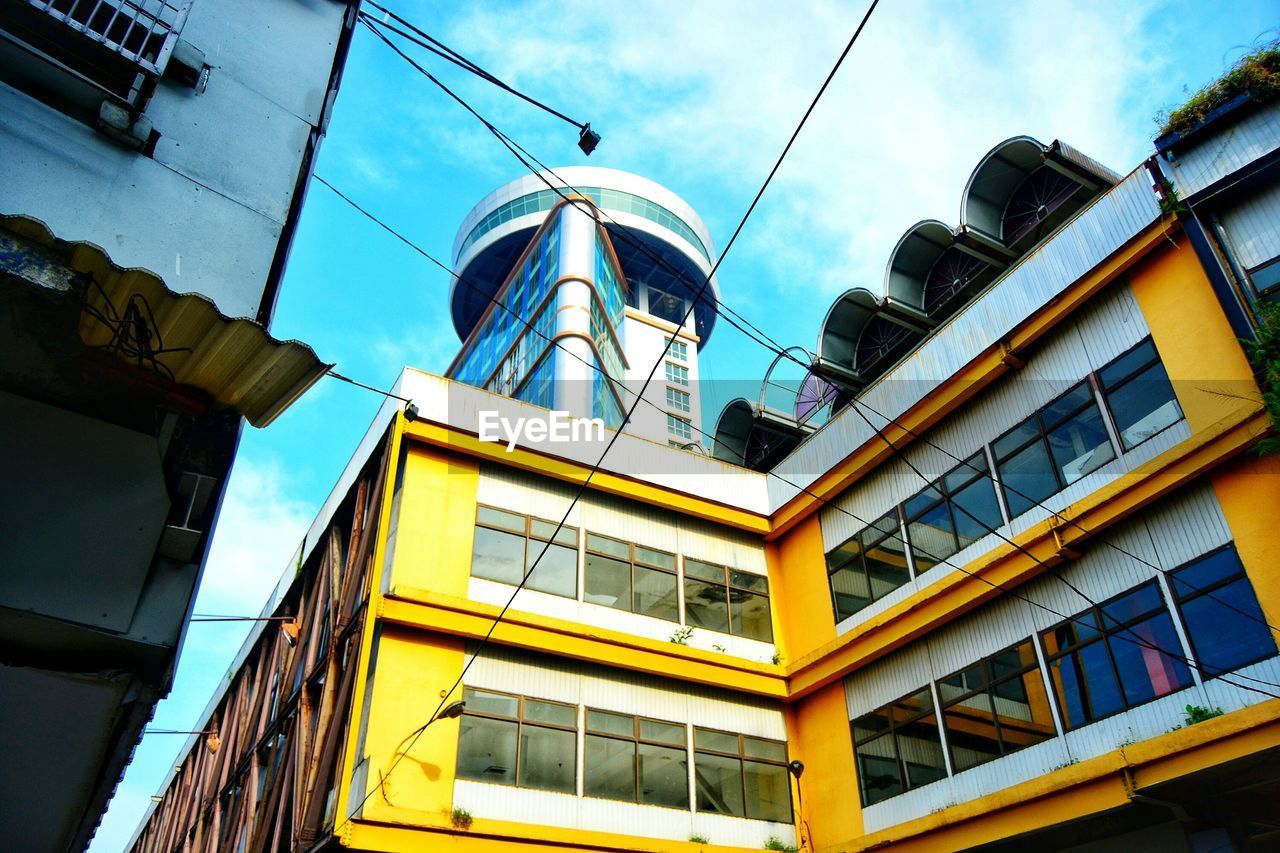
(626,419)
(336,375)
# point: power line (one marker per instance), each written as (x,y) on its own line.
(336,375)
(626,418)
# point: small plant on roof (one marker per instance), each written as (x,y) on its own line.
(1257,73)
(1264,355)
(1199,713)
(461,818)
(776,843)
(680,636)
(699,839)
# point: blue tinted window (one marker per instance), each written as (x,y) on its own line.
(1139,395)
(1224,622)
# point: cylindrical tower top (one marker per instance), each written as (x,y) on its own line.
(666,244)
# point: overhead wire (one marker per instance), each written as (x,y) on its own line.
(626,418)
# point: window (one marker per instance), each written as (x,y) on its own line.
(995,707)
(631,577)
(677,350)
(951,514)
(666,306)
(1222,638)
(742,776)
(1052,449)
(682,427)
(1266,278)
(1139,395)
(677,399)
(636,759)
(870,565)
(1112,657)
(897,748)
(718,598)
(513,740)
(507,544)
(677,374)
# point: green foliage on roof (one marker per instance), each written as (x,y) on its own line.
(1264,355)
(1258,73)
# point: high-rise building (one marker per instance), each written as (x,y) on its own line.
(606,265)
(154,157)
(1017,592)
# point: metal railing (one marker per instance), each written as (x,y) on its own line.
(142,31)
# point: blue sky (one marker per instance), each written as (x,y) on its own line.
(701,98)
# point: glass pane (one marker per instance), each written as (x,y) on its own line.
(718,741)
(1125,365)
(547,759)
(498,556)
(921,502)
(719,782)
(484,702)
(870,724)
(669,733)
(706,605)
(1132,605)
(1081,445)
(664,776)
(618,724)
(1028,478)
(746,580)
(556,571)
(878,774)
(1022,709)
(1223,638)
(612,547)
(932,536)
(1063,407)
(608,582)
(567,536)
(1086,685)
(1146,671)
(1144,406)
(845,552)
(1205,572)
(487,750)
(609,769)
(500,518)
(976,511)
(850,591)
(751,616)
(971,732)
(768,791)
(920,748)
(706,571)
(887,567)
(771,750)
(1014,438)
(1012,659)
(660,559)
(656,594)
(973,467)
(550,712)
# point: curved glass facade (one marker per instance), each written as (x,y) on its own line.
(610,199)
(507,357)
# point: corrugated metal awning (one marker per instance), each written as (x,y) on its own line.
(181,336)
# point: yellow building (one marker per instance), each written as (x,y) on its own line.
(1018,591)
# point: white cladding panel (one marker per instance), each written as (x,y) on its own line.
(1177,530)
(1220,154)
(1253,227)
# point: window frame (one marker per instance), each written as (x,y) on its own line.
(1105,627)
(636,740)
(891,731)
(676,374)
(678,350)
(1208,670)
(679,400)
(729,587)
(742,759)
(530,536)
(1105,391)
(946,495)
(686,433)
(861,559)
(633,561)
(521,722)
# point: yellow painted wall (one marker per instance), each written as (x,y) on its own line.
(1204,360)
(413,667)
(437,520)
(798,578)
(1249,491)
(818,734)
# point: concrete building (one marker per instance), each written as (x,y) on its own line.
(155,155)
(610,278)
(1016,593)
